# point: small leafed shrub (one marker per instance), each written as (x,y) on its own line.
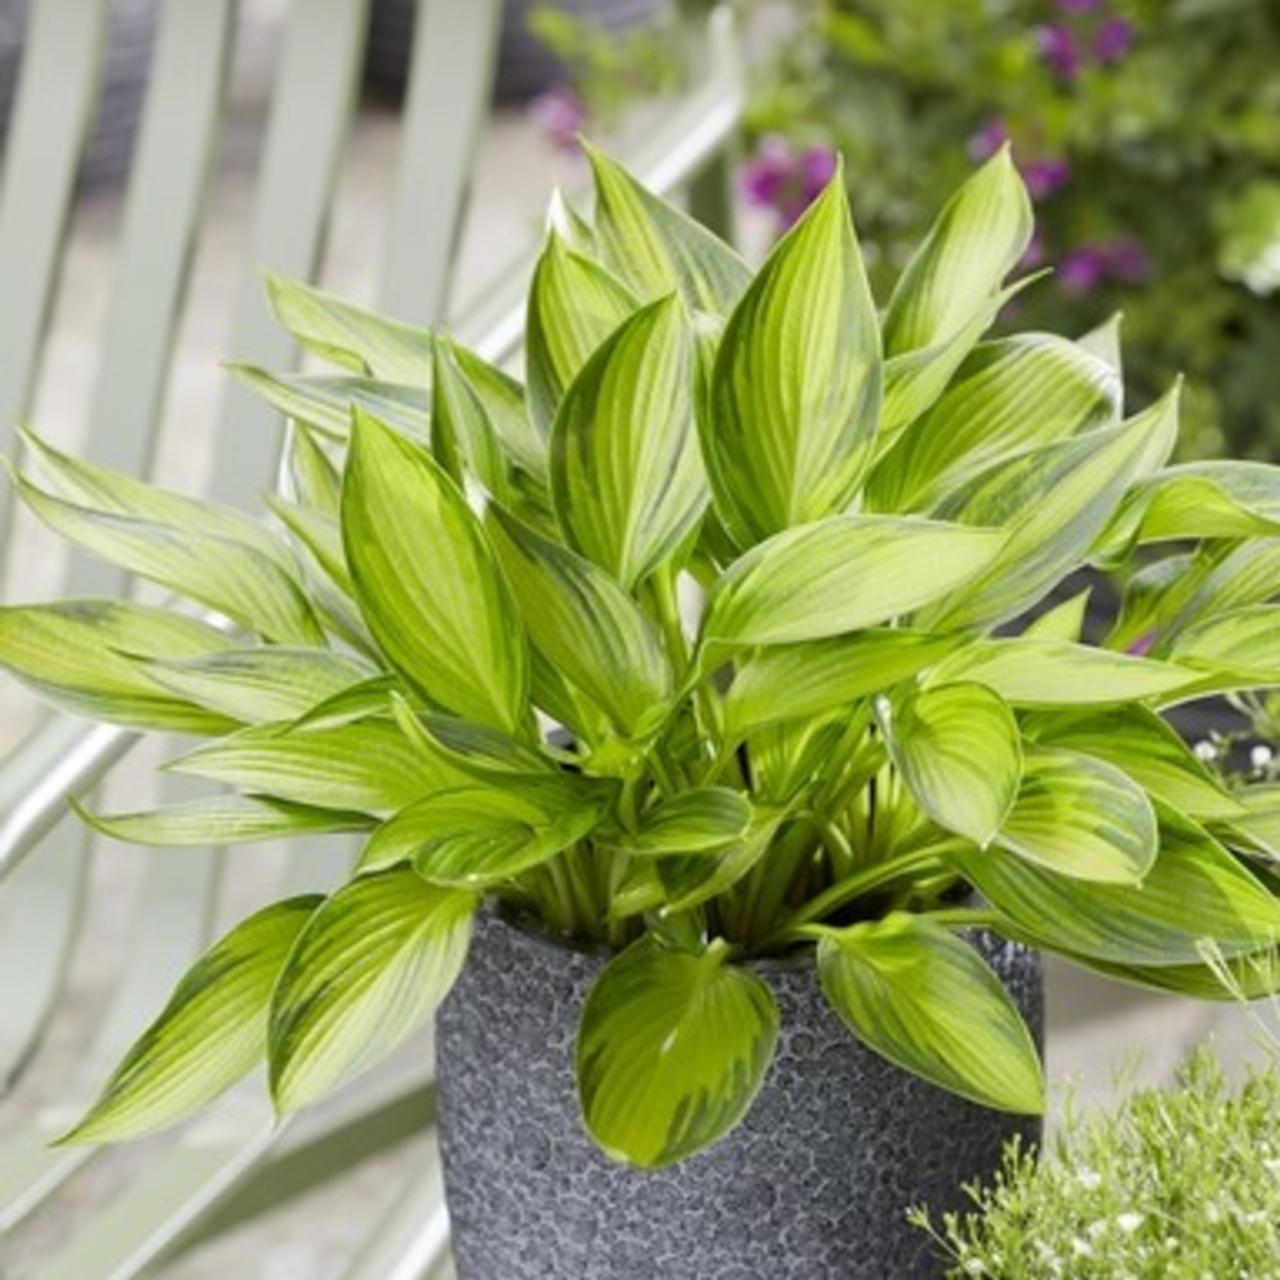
(1182,1183)
(463,639)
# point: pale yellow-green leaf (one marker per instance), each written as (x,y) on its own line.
(672,1050)
(700,820)
(927,1001)
(1243,640)
(1063,621)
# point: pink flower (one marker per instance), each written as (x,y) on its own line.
(993,134)
(1076,6)
(1143,644)
(562,116)
(1083,269)
(1044,177)
(1127,260)
(787,181)
(1060,49)
(1112,40)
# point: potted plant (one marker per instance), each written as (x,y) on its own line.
(1180,1183)
(687,699)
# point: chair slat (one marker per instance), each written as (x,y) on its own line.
(57,85)
(310,117)
(412,1240)
(454,47)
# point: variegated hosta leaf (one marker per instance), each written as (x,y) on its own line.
(230,576)
(1027,390)
(842,574)
(691,881)
(654,248)
(1029,671)
(574,305)
(1064,621)
(366,699)
(1242,640)
(1103,341)
(626,473)
(1194,890)
(317,482)
(1054,501)
(349,335)
(1257,820)
(72,653)
(976,241)
(673,1048)
(795,390)
(370,967)
(958,750)
(427,583)
(590,630)
(222,820)
(927,1001)
(1140,743)
(1223,499)
(1080,816)
(785,681)
(368,765)
(325,402)
(212,1031)
(258,685)
(503,401)
(697,821)
(320,535)
(476,837)
(1221,578)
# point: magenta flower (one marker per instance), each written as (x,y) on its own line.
(1044,177)
(1126,261)
(1060,49)
(561,115)
(1083,269)
(993,134)
(787,181)
(1112,40)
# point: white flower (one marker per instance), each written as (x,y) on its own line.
(1129,1222)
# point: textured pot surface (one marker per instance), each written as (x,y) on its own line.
(813,1185)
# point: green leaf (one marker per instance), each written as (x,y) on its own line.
(795,391)
(227,575)
(928,1002)
(807,679)
(958,750)
(349,335)
(1103,342)
(477,836)
(689,882)
(368,765)
(1028,390)
(1148,750)
(319,534)
(1195,891)
(1244,640)
(370,967)
(222,820)
(672,1050)
(1257,821)
(1054,501)
(1032,672)
(975,242)
(257,685)
(326,402)
(1082,817)
(574,304)
(701,820)
(842,574)
(654,248)
(503,400)
(72,653)
(427,583)
(212,1031)
(626,473)
(590,630)
(317,482)
(1064,621)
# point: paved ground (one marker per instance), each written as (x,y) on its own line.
(1097,1033)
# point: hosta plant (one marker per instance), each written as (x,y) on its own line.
(719,637)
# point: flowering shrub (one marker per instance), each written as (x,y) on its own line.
(1148,133)
(1182,1184)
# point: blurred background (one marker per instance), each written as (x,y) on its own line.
(1148,132)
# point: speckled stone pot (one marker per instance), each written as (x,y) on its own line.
(813,1185)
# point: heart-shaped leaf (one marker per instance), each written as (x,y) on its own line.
(927,1001)
(700,820)
(673,1048)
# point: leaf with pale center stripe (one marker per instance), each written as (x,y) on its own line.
(1243,640)
(586,626)
(574,305)
(72,653)
(700,820)
(927,1001)
(626,473)
(369,969)
(795,389)
(427,583)
(212,1031)
(672,1049)
(1080,816)
(958,751)
(842,574)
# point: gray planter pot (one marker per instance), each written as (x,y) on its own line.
(813,1185)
